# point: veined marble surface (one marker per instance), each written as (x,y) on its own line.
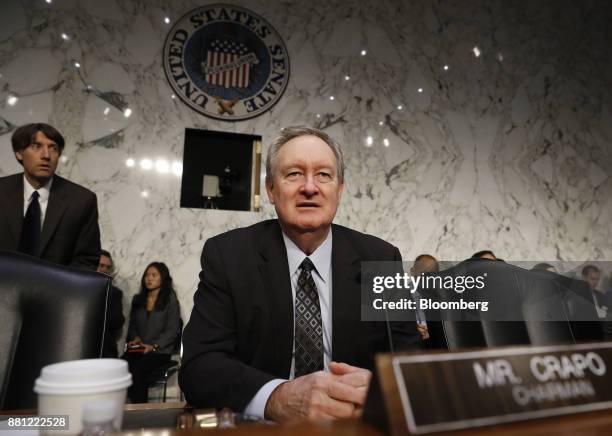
(466,125)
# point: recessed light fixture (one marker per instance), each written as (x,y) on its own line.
(77,65)
(445,67)
(420,90)
(476,51)
(347,78)
(166,20)
(364,52)
(12,100)
(369,141)
(400,107)
(130,162)
(146,164)
(145,194)
(177,168)
(331,97)
(106,111)
(162,166)
(65,36)
(127,112)
(381,123)
(386,142)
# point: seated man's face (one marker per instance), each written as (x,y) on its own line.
(305,189)
(592,278)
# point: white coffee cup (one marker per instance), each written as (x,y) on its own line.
(64,388)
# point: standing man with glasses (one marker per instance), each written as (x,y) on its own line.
(43,214)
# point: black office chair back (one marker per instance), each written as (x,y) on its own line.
(48,314)
(542,319)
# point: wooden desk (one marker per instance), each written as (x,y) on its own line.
(584,424)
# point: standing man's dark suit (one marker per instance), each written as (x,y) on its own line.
(244,337)
(70,234)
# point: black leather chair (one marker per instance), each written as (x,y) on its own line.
(48,313)
(161,375)
(546,313)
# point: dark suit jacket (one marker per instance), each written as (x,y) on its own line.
(161,327)
(240,334)
(70,233)
(114,322)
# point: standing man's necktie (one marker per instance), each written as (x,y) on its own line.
(30,231)
(308,326)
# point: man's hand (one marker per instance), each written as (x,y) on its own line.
(359,378)
(320,395)
(423,331)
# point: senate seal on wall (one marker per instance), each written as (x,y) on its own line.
(226,62)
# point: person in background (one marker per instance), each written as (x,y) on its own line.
(424,263)
(114,313)
(484,254)
(592,275)
(544,267)
(43,214)
(154,328)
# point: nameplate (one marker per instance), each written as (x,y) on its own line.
(451,391)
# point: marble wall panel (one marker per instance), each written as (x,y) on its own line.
(466,125)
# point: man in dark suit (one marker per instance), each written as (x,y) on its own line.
(276,327)
(43,214)
(114,312)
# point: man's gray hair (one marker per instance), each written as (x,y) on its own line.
(288,133)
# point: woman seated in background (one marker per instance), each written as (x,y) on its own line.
(154,329)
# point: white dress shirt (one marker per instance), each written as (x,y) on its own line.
(322,276)
(43,198)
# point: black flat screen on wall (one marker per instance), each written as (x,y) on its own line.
(226,159)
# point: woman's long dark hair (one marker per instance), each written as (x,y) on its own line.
(165,291)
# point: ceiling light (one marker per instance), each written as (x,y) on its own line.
(162,166)
(177,168)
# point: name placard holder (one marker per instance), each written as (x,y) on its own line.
(425,393)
